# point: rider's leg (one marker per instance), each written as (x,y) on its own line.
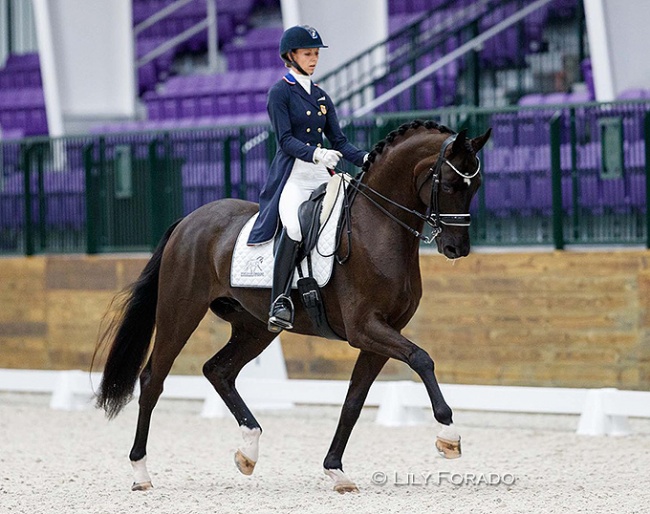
(303,180)
(281,313)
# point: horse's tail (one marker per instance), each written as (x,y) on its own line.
(130,331)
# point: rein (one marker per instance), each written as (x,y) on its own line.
(433,217)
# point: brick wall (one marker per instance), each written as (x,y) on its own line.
(568,319)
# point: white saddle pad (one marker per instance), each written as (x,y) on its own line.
(252,266)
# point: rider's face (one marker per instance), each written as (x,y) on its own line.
(306,58)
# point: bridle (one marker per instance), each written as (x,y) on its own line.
(433,217)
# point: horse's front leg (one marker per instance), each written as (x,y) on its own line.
(381,338)
(365,372)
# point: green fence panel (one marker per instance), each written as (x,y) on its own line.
(552,175)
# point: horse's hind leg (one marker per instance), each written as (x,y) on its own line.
(365,372)
(248,339)
(175,323)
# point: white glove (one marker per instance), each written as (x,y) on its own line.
(330,158)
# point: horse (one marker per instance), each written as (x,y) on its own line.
(421,173)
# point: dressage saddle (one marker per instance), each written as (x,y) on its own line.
(309,214)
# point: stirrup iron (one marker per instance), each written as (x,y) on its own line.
(281,304)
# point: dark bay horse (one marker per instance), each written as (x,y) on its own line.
(420,173)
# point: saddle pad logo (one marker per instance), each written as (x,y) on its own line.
(254,267)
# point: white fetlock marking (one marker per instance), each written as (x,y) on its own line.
(338,476)
(251,445)
(140,473)
(340,479)
(449,433)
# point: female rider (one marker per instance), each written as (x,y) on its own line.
(301,113)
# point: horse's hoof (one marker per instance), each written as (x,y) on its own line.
(448,449)
(342,484)
(346,488)
(245,465)
(142,486)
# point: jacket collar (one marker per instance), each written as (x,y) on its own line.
(312,98)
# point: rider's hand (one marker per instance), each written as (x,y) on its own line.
(329,158)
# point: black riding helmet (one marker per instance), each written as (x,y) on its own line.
(300,36)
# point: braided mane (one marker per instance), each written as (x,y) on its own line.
(390,138)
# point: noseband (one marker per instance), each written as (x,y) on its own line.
(433,217)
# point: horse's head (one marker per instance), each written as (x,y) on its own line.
(447,188)
(445,174)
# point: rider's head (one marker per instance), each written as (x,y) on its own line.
(298,38)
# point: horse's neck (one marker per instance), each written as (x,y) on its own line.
(393,176)
(393,173)
(379,231)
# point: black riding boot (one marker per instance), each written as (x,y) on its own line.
(281,313)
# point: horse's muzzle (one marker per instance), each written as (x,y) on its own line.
(453,247)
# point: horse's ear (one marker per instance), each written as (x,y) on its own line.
(478,142)
(459,144)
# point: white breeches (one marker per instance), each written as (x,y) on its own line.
(304,178)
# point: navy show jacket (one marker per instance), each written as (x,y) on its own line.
(299,120)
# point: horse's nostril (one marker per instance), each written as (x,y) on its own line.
(451,252)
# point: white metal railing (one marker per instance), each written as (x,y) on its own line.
(209,23)
(465,48)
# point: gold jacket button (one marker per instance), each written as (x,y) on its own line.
(320,113)
(308,113)
(318,145)
(308,129)
(309,144)
(320,129)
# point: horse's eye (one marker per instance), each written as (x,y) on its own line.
(446,188)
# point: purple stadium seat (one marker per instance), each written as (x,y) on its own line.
(224,105)
(614,195)
(253,58)
(541,196)
(27,61)
(170,108)
(531,99)
(589,193)
(556,98)
(563,9)
(147,77)
(518,197)
(189,107)
(12,134)
(397,22)
(587,74)
(527,125)
(634,94)
(239,10)
(495,195)
(541,158)
(534,25)
(637,190)
(588,156)
(634,154)
(579,97)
